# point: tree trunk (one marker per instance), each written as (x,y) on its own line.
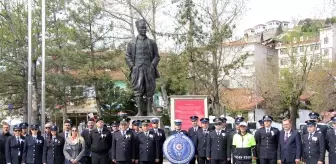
(153,15)
(293,110)
(129,2)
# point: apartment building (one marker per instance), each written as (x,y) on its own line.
(322,48)
(260,58)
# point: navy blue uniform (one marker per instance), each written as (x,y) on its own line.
(313,148)
(33,150)
(148,147)
(192,133)
(331,144)
(201,144)
(179,131)
(124,147)
(14,149)
(267,143)
(53,150)
(160,134)
(218,148)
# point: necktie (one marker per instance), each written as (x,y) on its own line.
(218,133)
(18,140)
(156,130)
(310,136)
(194,129)
(123,133)
(267,131)
(286,136)
(146,134)
(66,134)
(34,138)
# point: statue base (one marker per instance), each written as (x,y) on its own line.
(146,118)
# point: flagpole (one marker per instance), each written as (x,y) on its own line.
(29,61)
(43,67)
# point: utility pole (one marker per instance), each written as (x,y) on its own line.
(43,67)
(29,61)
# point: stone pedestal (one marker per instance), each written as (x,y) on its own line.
(146,118)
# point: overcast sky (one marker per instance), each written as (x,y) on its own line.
(261,11)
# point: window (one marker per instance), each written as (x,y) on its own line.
(285,24)
(326,40)
(301,49)
(317,47)
(326,52)
(277,23)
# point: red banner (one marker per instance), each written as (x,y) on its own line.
(184,108)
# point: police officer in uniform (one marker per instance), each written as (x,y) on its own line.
(244,144)
(100,142)
(124,145)
(178,128)
(115,126)
(136,124)
(238,120)
(267,140)
(24,127)
(192,133)
(322,128)
(148,145)
(33,147)
(201,142)
(14,146)
(313,145)
(224,125)
(160,134)
(53,148)
(331,141)
(218,150)
(261,123)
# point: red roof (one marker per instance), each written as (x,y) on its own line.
(240,98)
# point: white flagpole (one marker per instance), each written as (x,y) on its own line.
(43,67)
(29,61)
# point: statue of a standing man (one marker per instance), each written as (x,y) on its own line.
(142,58)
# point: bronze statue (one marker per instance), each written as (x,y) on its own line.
(142,58)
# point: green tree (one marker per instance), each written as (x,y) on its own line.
(296,66)
(91,30)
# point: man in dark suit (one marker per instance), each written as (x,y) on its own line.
(86,135)
(147,145)
(319,128)
(142,58)
(178,128)
(66,129)
(201,142)
(313,145)
(218,149)
(3,136)
(123,145)
(331,141)
(100,142)
(192,133)
(160,134)
(289,148)
(267,140)
(14,146)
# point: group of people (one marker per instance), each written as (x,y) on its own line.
(118,143)
(97,144)
(268,145)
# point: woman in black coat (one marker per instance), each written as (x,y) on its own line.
(53,148)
